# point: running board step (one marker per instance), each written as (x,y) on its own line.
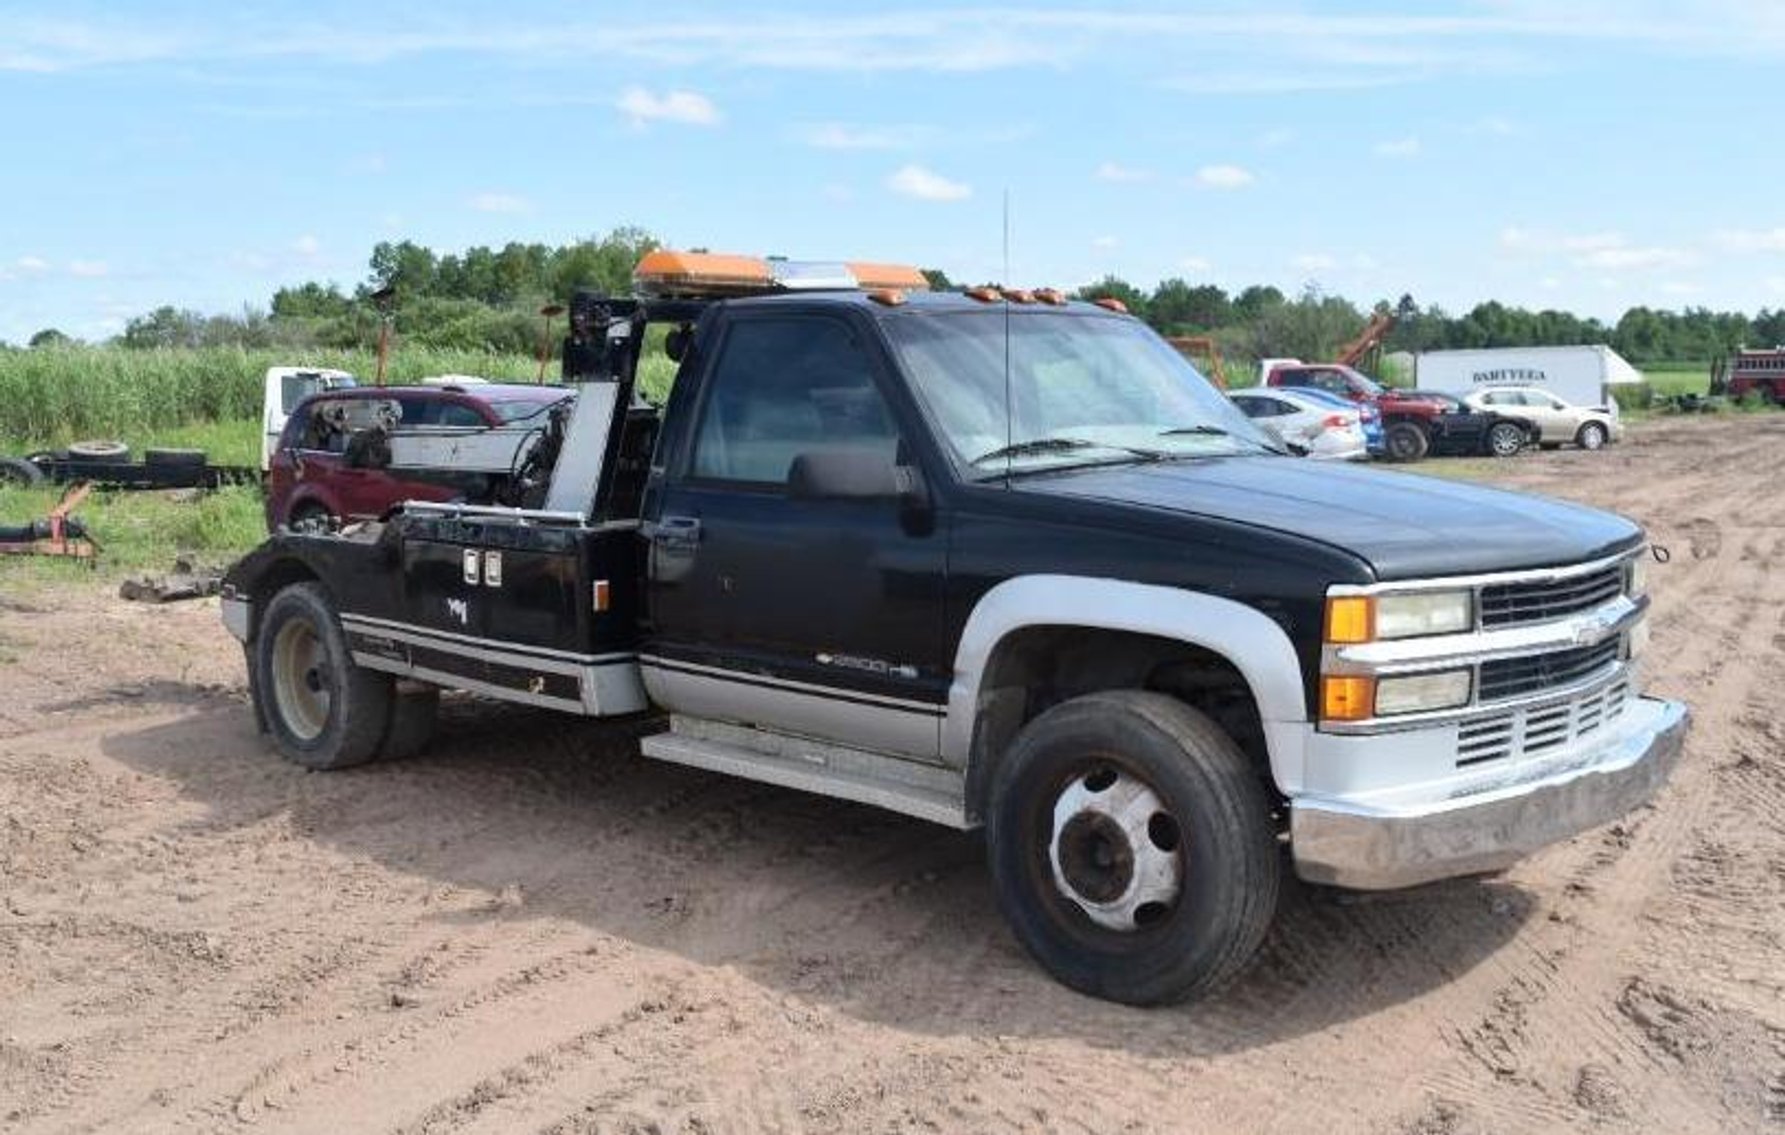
(928,792)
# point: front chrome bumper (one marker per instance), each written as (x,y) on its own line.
(1384,843)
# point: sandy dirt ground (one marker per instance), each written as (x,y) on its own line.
(532,929)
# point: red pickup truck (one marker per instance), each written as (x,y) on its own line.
(1415,423)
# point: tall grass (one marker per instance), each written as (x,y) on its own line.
(51,396)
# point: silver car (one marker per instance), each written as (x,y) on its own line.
(1307,424)
(1557,421)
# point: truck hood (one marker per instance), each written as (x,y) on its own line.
(1403,525)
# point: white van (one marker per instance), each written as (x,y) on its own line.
(285,387)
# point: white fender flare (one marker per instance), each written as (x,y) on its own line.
(1256,645)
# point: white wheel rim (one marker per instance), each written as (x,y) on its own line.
(301,679)
(1117,853)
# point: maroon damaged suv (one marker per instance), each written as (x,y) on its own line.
(316,474)
(1415,423)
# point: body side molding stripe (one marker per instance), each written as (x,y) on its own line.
(411,632)
(747,678)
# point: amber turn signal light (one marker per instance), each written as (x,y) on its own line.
(1350,619)
(1345,697)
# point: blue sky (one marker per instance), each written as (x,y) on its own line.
(1587,155)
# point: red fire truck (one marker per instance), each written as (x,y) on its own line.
(1757,373)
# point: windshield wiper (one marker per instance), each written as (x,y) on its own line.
(1205,430)
(1211,431)
(1045,445)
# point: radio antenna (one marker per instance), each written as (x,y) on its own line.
(1009,428)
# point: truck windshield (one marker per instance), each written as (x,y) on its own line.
(1081,390)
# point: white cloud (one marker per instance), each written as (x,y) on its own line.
(1407,147)
(1224,177)
(1283,49)
(1549,283)
(1595,242)
(1598,251)
(841,136)
(32,264)
(927,185)
(1621,259)
(644,107)
(1752,240)
(499,203)
(306,246)
(1275,139)
(1364,262)
(1314,262)
(1196,264)
(88,269)
(1775,285)
(1105,242)
(1681,288)
(1112,171)
(1496,125)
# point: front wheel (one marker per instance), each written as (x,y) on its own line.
(1132,848)
(1406,441)
(323,711)
(1591,436)
(1505,439)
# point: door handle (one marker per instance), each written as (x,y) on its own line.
(677,532)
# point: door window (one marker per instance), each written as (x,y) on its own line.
(458,414)
(783,387)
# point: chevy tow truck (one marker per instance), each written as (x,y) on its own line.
(1005,561)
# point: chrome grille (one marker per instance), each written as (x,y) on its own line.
(1506,604)
(1536,730)
(1510,677)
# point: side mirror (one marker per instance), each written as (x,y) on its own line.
(852,473)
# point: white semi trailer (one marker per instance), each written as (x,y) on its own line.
(1582,376)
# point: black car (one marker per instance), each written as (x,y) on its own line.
(1454,429)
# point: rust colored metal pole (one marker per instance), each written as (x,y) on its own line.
(549,311)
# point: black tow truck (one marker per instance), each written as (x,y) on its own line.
(1003,561)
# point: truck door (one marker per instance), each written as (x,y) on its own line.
(820,617)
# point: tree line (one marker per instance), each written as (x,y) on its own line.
(489,299)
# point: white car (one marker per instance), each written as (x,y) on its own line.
(1558,422)
(1320,429)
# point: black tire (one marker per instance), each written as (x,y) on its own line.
(1213,821)
(1406,441)
(413,713)
(174,458)
(322,711)
(1592,435)
(100,449)
(18,472)
(1506,439)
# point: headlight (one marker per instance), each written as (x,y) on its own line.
(1437,612)
(1417,692)
(1350,697)
(1638,582)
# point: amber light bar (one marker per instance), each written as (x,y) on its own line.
(666,272)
